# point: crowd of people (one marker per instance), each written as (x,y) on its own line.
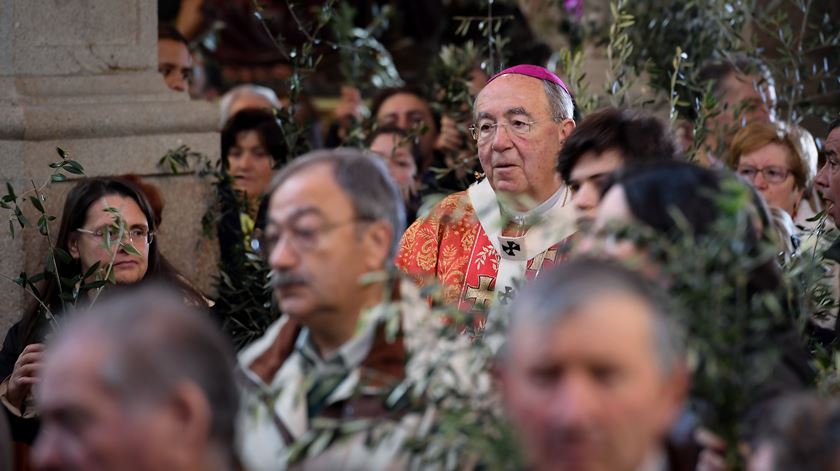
(552,245)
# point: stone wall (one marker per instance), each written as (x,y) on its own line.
(81,75)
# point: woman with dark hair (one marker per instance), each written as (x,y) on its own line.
(652,192)
(659,194)
(672,197)
(107,232)
(252,146)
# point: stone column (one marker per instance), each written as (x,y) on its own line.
(81,75)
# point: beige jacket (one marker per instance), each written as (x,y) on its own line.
(273,416)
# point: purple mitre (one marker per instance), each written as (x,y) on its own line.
(532,71)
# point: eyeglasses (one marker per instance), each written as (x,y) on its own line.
(485,131)
(111,232)
(772,174)
(301,238)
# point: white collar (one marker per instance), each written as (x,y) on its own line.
(533,215)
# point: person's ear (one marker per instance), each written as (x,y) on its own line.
(377,240)
(564,129)
(73,246)
(190,416)
(676,392)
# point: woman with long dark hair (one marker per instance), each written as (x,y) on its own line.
(107,235)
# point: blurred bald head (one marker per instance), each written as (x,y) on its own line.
(591,373)
(139,382)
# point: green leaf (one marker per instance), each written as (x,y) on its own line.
(37,203)
(42,226)
(69,282)
(10,189)
(58,177)
(93,269)
(321,443)
(49,262)
(93,285)
(21,279)
(73,167)
(63,256)
(21,219)
(38,277)
(129,249)
(61,153)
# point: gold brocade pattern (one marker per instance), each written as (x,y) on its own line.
(450,247)
(438,246)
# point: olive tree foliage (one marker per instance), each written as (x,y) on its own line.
(655,46)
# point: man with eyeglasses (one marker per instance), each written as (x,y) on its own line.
(827,182)
(510,226)
(828,177)
(332,227)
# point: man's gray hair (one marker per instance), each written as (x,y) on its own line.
(560,293)
(559,100)
(364,179)
(258,90)
(154,342)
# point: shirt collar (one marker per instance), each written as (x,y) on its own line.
(349,356)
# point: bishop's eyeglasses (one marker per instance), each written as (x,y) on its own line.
(484,131)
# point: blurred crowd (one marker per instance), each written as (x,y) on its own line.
(406,237)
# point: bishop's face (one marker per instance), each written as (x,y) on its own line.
(519,156)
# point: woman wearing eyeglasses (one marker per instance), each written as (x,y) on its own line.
(771,158)
(107,235)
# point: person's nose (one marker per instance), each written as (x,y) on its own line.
(246,162)
(573,403)
(46,453)
(283,255)
(759,182)
(586,199)
(403,122)
(501,139)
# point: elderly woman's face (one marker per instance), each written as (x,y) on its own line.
(88,244)
(768,170)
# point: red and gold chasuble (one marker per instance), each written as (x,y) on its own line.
(459,245)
